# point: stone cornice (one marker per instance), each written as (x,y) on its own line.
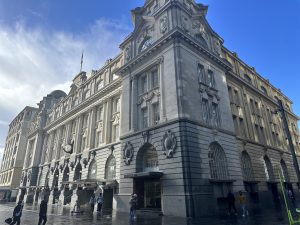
(108,91)
(174,34)
(256,90)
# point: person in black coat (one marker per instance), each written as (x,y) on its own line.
(231,203)
(43,212)
(17,213)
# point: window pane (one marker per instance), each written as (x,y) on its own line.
(144,118)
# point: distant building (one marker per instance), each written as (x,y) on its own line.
(176,118)
(14,153)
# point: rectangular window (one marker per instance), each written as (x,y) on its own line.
(85,121)
(201,74)
(143,84)
(99,113)
(210,79)
(236,125)
(154,78)
(144,118)
(205,111)
(236,98)
(242,127)
(215,115)
(99,85)
(155,111)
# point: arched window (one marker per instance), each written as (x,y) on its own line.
(78,171)
(247,167)
(264,90)
(110,168)
(148,41)
(217,162)
(284,171)
(268,169)
(92,170)
(55,179)
(147,159)
(248,78)
(47,180)
(66,174)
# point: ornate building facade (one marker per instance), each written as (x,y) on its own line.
(176,117)
(14,152)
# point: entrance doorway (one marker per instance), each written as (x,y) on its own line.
(108,195)
(149,193)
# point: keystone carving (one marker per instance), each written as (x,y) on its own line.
(128,152)
(169,144)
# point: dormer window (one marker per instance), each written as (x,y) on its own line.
(248,78)
(264,90)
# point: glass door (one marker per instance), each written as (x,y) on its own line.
(152,195)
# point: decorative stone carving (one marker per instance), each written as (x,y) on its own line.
(29,176)
(115,118)
(145,136)
(85,162)
(185,25)
(61,167)
(169,144)
(163,24)
(217,47)
(128,153)
(72,165)
(128,53)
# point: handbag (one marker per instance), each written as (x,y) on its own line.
(8,220)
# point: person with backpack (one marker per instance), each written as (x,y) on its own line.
(99,202)
(17,214)
(43,212)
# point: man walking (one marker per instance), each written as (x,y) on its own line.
(92,203)
(17,214)
(231,203)
(243,200)
(99,202)
(43,212)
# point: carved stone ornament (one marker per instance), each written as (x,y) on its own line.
(85,162)
(29,176)
(72,165)
(61,167)
(128,153)
(128,53)
(169,144)
(217,47)
(163,24)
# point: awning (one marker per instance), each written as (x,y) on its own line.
(91,182)
(152,174)
(221,181)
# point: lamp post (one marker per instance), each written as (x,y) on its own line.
(289,136)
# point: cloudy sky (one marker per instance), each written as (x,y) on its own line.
(41,43)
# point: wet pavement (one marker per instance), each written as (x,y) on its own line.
(62,216)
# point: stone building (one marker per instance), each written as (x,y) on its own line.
(176,117)
(14,152)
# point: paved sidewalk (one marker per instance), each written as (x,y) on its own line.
(60,216)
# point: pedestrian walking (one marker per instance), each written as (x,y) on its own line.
(17,214)
(99,202)
(243,201)
(231,203)
(43,212)
(133,206)
(291,197)
(92,203)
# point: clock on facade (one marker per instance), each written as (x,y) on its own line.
(68,148)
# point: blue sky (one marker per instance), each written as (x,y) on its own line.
(41,43)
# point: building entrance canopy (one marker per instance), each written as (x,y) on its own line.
(151,174)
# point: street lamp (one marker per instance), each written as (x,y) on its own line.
(289,136)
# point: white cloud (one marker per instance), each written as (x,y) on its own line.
(1,154)
(35,61)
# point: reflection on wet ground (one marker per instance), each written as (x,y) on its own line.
(61,216)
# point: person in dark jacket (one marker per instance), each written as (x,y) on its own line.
(43,212)
(17,213)
(231,203)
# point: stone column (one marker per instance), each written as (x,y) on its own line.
(160,62)
(67,136)
(108,121)
(91,133)
(58,144)
(78,135)
(133,110)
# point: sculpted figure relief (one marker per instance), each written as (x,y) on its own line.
(163,24)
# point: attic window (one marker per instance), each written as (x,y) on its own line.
(146,43)
(248,78)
